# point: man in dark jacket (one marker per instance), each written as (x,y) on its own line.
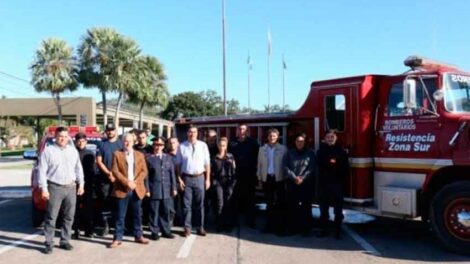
(84,205)
(162,188)
(245,151)
(300,170)
(334,167)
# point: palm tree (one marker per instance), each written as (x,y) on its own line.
(153,90)
(95,51)
(124,69)
(54,70)
(108,61)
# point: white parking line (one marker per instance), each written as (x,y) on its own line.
(22,241)
(5,201)
(361,241)
(186,247)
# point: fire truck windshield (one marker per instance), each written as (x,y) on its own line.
(457,93)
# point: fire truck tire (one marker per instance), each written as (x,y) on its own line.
(37,216)
(450,216)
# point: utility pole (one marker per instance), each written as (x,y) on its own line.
(223,57)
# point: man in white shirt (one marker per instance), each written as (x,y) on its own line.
(193,160)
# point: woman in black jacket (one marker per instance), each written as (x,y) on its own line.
(223,182)
(334,167)
(300,170)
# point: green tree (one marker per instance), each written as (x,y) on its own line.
(153,91)
(54,70)
(189,104)
(206,103)
(94,53)
(108,61)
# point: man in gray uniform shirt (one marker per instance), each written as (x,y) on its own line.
(60,171)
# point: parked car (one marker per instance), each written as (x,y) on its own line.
(39,204)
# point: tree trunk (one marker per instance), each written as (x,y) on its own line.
(105,110)
(59,107)
(141,114)
(118,108)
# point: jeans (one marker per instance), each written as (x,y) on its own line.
(133,201)
(60,196)
(194,201)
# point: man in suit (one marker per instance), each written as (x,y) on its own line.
(271,159)
(130,171)
(162,188)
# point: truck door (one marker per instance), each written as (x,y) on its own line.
(336,112)
(407,144)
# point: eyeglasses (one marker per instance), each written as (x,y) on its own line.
(158,145)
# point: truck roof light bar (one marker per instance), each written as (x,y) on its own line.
(415,62)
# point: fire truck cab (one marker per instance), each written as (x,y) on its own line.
(407,136)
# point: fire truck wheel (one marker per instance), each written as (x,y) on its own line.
(37,216)
(450,216)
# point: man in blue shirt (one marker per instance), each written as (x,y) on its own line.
(104,161)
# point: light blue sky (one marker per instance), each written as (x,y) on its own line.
(319,39)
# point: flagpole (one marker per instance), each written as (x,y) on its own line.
(223,57)
(249,81)
(269,70)
(283,84)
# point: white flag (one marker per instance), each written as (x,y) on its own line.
(269,42)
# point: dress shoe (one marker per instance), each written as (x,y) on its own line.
(48,249)
(169,236)
(154,236)
(141,240)
(115,244)
(201,232)
(66,246)
(76,235)
(187,232)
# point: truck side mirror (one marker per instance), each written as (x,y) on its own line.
(409,93)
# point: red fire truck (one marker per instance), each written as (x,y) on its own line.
(407,135)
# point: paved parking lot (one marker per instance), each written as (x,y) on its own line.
(381,241)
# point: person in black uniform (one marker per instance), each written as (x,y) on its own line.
(162,188)
(142,144)
(334,167)
(84,205)
(223,183)
(300,170)
(245,151)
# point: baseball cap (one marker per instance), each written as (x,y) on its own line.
(110,126)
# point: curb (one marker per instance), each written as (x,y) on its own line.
(15,193)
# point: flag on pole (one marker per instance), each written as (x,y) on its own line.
(269,42)
(284,65)
(249,62)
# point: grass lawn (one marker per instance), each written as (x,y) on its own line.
(18,167)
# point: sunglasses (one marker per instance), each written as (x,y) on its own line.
(159,145)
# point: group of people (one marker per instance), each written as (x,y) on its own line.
(182,181)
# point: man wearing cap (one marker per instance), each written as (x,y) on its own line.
(104,160)
(193,160)
(59,172)
(162,188)
(84,213)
